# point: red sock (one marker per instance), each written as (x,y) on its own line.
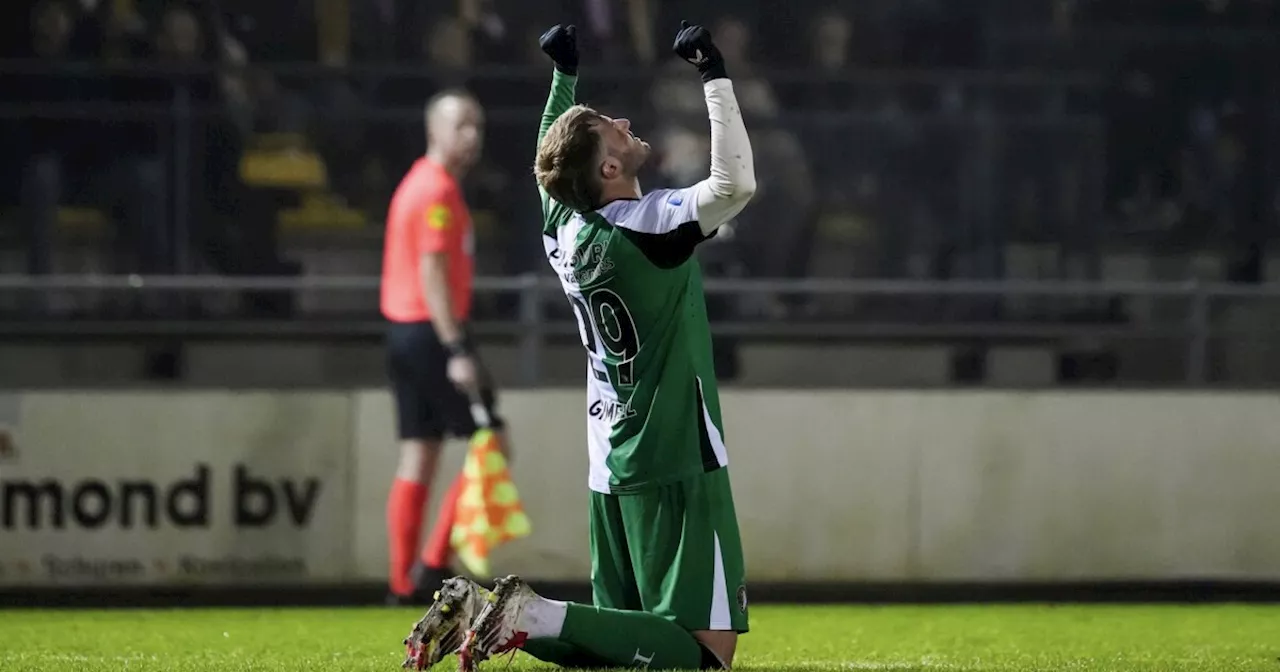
(404,527)
(437,551)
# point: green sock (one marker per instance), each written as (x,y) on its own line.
(563,654)
(630,638)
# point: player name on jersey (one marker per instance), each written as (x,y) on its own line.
(611,411)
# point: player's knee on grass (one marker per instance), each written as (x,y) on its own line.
(720,643)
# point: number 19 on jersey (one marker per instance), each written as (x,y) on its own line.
(609,335)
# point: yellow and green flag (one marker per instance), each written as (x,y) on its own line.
(489,512)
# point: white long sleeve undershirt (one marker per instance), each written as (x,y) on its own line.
(732,182)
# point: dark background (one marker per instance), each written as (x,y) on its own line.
(1001,140)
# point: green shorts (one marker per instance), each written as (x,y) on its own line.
(672,551)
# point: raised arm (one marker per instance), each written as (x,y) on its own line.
(732,182)
(563,88)
(561,44)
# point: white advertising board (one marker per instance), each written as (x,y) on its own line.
(188,488)
(219,488)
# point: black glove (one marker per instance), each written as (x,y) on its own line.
(693,44)
(561,44)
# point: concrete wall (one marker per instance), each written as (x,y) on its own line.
(298,364)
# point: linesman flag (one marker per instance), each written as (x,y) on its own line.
(489,511)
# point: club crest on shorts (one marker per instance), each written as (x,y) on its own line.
(742,598)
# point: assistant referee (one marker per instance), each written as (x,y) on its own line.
(427,275)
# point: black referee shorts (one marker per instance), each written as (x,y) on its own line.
(429,406)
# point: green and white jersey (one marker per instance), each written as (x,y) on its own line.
(653,411)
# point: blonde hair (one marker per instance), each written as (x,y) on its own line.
(566,166)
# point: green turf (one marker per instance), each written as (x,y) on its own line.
(784,638)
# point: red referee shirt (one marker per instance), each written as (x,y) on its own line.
(427,215)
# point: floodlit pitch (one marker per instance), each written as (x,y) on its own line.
(1112,638)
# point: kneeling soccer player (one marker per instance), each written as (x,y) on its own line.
(667,570)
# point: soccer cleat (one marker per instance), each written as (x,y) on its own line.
(441,631)
(494,631)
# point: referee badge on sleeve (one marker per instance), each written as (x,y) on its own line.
(438,217)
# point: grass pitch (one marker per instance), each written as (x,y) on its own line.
(820,638)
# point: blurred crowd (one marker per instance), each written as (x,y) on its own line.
(894,138)
(105,140)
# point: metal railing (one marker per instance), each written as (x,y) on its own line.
(534,324)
